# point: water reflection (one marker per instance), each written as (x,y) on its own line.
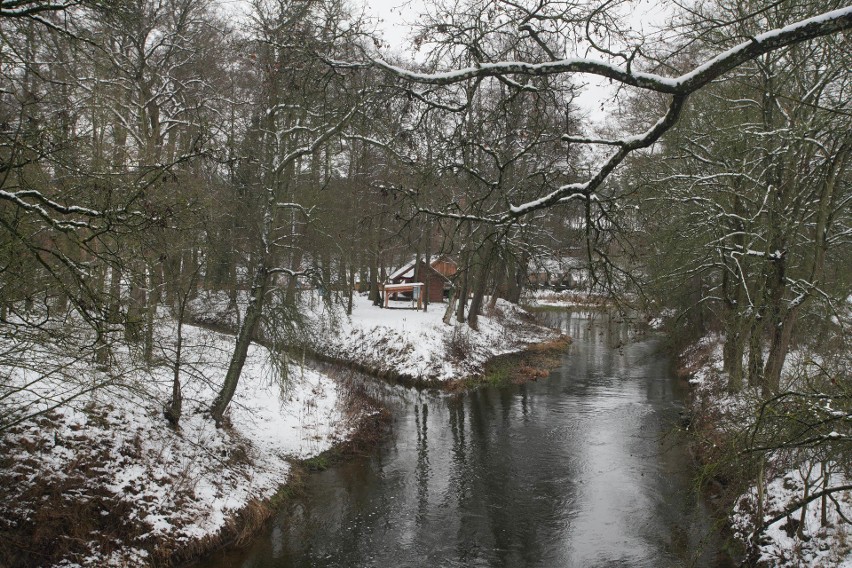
(574,470)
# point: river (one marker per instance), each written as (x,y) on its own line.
(581,469)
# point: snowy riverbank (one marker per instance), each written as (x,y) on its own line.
(817,535)
(418,346)
(104,480)
(414,346)
(547,298)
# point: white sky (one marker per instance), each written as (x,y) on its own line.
(395,17)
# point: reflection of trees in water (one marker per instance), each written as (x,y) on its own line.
(617,327)
(422,469)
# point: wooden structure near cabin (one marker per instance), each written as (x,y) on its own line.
(416,289)
(437,281)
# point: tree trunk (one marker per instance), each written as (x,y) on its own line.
(462,298)
(783,330)
(823,521)
(293,281)
(775,320)
(755,353)
(173,268)
(428,262)
(779,346)
(374,284)
(174,408)
(451,302)
(803,516)
(500,279)
(152,300)
(761,493)
(133,327)
(476,301)
(516,279)
(732,353)
(480,285)
(114,310)
(244,337)
(102,347)
(351,289)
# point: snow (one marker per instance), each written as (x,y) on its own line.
(406,271)
(772,36)
(609,70)
(415,344)
(823,547)
(569,298)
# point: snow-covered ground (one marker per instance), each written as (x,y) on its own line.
(828,546)
(822,543)
(399,340)
(567,298)
(419,345)
(110,454)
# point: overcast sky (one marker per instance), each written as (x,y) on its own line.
(395,16)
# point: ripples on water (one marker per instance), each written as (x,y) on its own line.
(579,469)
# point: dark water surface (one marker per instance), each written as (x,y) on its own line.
(577,470)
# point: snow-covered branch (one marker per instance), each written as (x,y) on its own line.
(627,145)
(318,141)
(25,8)
(824,24)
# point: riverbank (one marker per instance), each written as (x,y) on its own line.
(417,348)
(412,347)
(565,299)
(797,529)
(531,364)
(105,481)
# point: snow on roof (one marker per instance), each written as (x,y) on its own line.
(406,271)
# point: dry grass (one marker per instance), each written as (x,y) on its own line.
(51,515)
(694,359)
(534,363)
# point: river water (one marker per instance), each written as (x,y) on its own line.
(581,469)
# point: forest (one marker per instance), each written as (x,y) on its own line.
(154,152)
